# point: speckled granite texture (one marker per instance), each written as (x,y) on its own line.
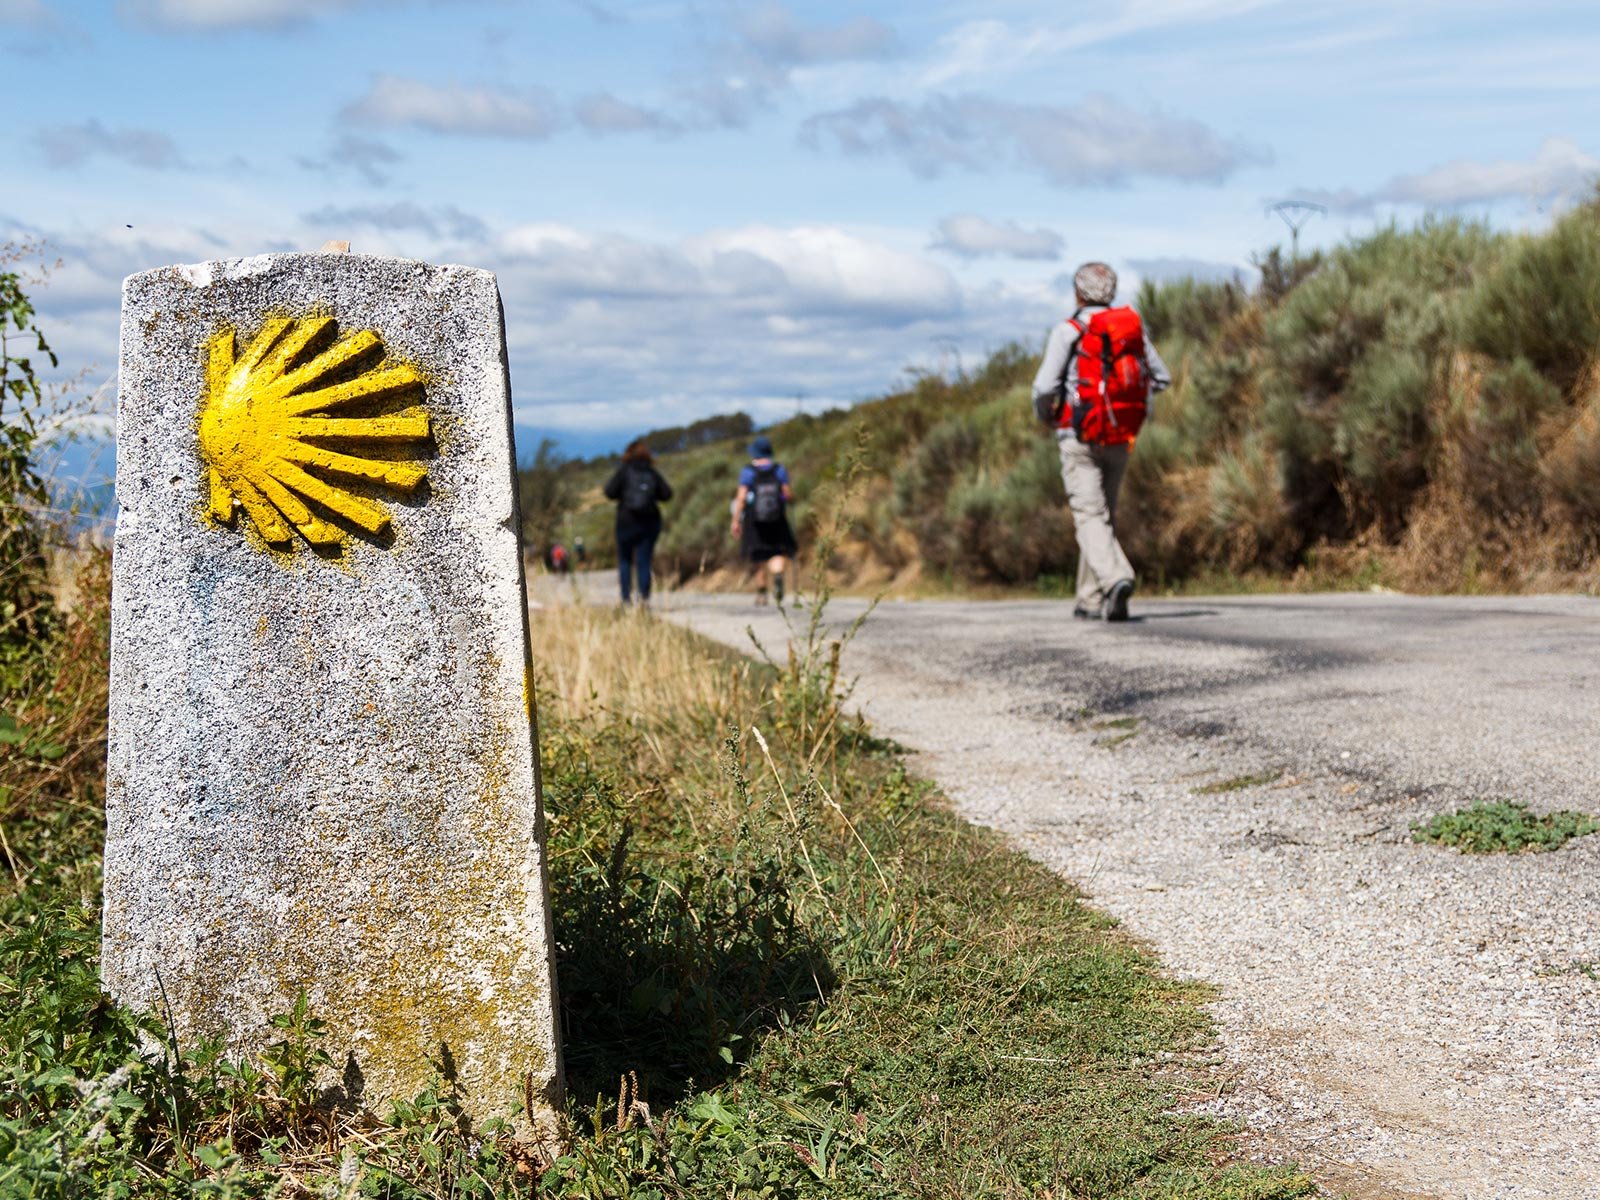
(322,770)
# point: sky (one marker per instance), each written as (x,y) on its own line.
(697,206)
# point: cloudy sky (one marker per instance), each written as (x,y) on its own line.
(701,205)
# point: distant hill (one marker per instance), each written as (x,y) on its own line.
(1418,408)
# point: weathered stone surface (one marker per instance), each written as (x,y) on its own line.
(322,773)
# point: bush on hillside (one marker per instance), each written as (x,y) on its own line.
(1540,301)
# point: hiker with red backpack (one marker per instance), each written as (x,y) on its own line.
(639,490)
(1094,388)
(761,517)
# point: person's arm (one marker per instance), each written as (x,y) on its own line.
(1155,370)
(613,487)
(783,478)
(1049,385)
(737,523)
(663,488)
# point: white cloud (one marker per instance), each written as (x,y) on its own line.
(1559,171)
(968,235)
(394,101)
(765,48)
(438,221)
(366,157)
(74,145)
(29,14)
(989,47)
(604,113)
(828,269)
(1100,142)
(772,32)
(210,16)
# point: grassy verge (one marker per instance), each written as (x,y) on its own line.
(786,970)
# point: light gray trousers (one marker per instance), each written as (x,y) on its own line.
(1093,475)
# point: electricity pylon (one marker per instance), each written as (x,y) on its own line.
(1295,214)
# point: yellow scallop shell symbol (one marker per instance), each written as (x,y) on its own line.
(273,446)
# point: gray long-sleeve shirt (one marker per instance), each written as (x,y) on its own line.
(1058,373)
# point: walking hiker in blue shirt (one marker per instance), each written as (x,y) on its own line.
(761,518)
(639,490)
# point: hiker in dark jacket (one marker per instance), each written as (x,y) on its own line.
(639,490)
(761,518)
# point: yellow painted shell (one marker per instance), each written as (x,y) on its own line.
(273,446)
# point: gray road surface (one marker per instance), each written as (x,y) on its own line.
(1402,1019)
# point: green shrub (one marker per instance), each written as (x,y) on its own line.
(1538,303)
(1503,827)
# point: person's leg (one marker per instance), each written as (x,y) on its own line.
(775,568)
(625,565)
(1101,562)
(1113,466)
(642,554)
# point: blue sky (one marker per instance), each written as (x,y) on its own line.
(699,205)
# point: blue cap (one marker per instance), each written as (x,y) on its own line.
(761,447)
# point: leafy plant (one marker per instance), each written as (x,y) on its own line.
(24,604)
(1503,827)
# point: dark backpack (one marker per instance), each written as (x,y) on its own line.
(766,495)
(639,491)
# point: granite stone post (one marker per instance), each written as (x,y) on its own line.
(322,769)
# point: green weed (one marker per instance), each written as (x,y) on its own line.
(1503,827)
(1239,783)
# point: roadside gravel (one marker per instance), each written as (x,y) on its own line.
(1401,1019)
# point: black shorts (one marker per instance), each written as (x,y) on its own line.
(762,540)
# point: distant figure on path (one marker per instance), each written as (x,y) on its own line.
(1094,388)
(761,518)
(639,490)
(558,558)
(580,551)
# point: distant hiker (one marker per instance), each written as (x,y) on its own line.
(1094,388)
(558,558)
(580,551)
(761,518)
(639,490)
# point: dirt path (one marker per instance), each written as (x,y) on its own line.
(1402,1019)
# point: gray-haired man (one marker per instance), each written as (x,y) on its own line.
(1094,386)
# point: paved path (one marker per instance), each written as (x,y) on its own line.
(1402,1019)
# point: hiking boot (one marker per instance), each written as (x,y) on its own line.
(1117,600)
(761,597)
(777,590)
(1080,613)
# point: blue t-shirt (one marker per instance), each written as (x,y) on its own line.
(747,477)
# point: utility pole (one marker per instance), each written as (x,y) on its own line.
(1295,214)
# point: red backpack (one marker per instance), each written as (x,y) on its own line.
(1113,394)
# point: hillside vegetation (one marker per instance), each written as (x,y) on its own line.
(1417,408)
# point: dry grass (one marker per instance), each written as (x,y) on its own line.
(604,661)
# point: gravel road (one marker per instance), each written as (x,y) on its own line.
(1401,1019)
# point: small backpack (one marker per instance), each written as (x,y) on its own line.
(766,495)
(639,491)
(1113,393)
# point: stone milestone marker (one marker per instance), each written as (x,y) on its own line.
(322,774)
